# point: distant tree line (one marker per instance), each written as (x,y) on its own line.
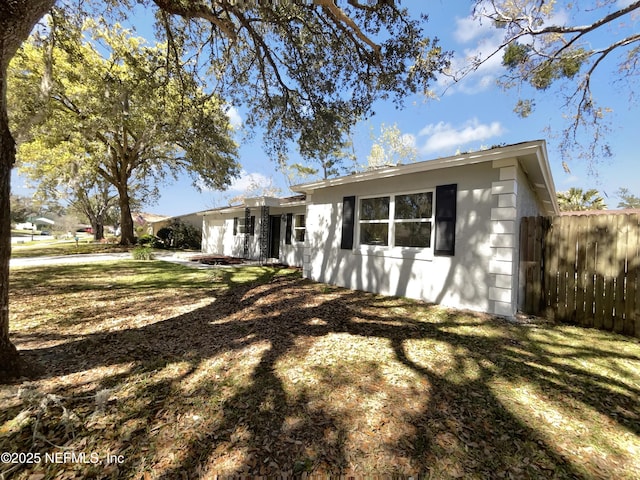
(577,199)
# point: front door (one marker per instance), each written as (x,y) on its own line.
(274,236)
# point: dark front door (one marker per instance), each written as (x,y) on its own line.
(274,236)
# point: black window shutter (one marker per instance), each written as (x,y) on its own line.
(252,232)
(235,225)
(289,229)
(348,220)
(445,220)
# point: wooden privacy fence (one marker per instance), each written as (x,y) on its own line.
(583,269)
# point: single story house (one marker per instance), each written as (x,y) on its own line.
(445,231)
(40,223)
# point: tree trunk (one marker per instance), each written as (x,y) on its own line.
(127,234)
(10,364)
(16,21)
(98,230)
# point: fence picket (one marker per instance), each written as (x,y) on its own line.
(590,277)
(622,246)
(582,225)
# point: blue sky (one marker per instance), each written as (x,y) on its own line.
(473,114)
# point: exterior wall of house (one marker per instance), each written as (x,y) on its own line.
(218,237)
(461,280)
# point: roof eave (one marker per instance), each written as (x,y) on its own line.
(471,158)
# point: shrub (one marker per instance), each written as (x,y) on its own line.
(142,253)
(187,236)
(145,239)
(180,235)
(150,241)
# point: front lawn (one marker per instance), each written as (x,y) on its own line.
(171,372)
(42,248)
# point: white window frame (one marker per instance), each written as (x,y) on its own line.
(242,227)
(297,228)
(390,250)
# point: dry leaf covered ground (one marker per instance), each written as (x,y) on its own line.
(157,371)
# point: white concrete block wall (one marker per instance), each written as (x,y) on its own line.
(504,240)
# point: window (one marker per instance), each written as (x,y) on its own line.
(413,219)
(398,220)
(374,221)
(423,221)
(240,226)
(300,228)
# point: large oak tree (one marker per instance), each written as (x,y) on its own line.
(115,110)
(285,62)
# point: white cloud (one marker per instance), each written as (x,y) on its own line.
(249,181)
(442,136)
(470,28)
(623,3)
(479,40)
(234,117)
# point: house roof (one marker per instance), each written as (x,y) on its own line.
(144,217)
(293,201)
(532,157)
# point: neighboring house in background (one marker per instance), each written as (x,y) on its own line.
(40,223)
(444,231)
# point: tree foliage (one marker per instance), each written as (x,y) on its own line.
(116,112)
(627,199)
(568,45)
(575,199)
(181,235)
(391,147)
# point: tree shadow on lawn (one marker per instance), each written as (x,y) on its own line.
(454,420)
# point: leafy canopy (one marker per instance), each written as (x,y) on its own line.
(571,46)
(116,109)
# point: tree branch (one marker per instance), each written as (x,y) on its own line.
(197,9)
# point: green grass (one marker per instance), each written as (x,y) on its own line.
(254,371)
(85,246)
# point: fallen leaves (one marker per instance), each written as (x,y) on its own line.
(249,373)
